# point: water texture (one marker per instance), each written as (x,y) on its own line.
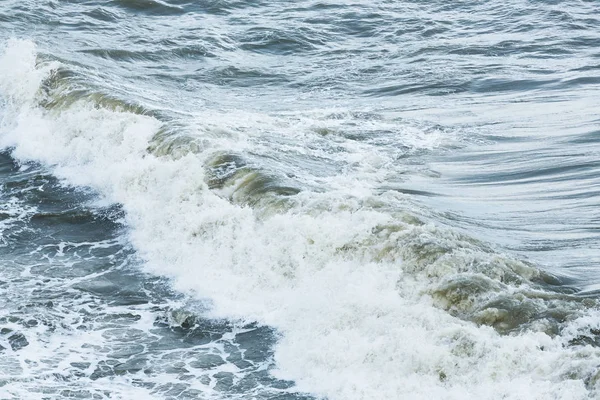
(299,200)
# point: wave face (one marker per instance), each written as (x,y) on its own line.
(344,201)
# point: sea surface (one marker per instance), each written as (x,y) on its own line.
(294,200)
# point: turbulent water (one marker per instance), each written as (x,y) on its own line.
(299,200)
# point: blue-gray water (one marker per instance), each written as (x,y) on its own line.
(297,200)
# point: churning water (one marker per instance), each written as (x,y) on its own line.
(299,200)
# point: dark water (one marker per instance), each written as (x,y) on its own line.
(77,311)
(283,200)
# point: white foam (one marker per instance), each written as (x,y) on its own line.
(353,325)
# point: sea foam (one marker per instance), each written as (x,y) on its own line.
(345,276)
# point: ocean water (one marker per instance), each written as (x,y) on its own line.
(299,200)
